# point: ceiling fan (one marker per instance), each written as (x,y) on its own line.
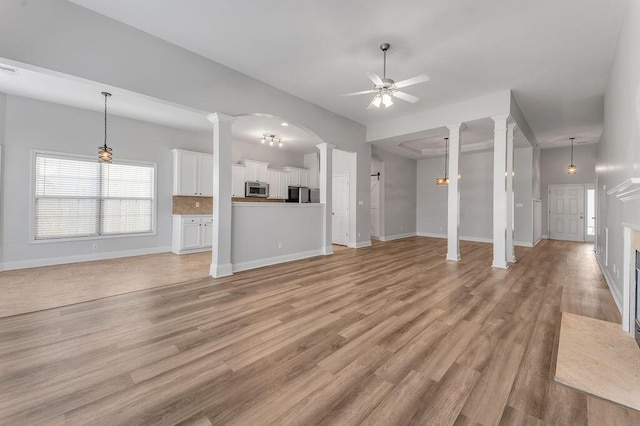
(385,88)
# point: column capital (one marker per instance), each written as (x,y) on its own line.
(325,145)
(501,118)
(457,126)
(218,117)
(512,125)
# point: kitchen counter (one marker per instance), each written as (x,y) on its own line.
(256,200)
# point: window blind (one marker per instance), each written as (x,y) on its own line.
(77,197)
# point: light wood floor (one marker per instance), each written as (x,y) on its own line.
(391,334)
(36,289)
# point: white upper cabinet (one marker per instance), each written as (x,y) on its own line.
(237,180)
(298,176)
(278,181)
(192,173)
(304,177)
(256,171)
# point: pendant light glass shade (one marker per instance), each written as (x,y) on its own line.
(572,169)
(377,100)
(445,180)
(104,152)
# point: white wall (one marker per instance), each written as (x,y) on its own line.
(3,112)
(476,196)
(34,124)
(399,194)
(618,156)
(259,228)
(276,157)
(553,166)
(61,36)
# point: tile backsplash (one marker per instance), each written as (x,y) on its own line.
(187,205)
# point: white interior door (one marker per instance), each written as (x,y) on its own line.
(340,209)
(566,212)
(375,207)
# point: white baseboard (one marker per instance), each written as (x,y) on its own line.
(523,244)
(221,270)
(360,244)
(617,297)
(259,263)
(472,239)
(397,236)
(36,263)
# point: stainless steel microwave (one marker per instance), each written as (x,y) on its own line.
(256,189)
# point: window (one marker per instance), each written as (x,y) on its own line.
(78,197)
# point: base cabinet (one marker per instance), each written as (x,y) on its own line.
(191,234)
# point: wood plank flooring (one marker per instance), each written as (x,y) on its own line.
(391,334)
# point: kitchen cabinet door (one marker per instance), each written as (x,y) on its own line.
(206,175)
(237,180)
(185,173)
(304,177)
(272,179)
(283,185)
(191,235)
(294,177)
(207,233)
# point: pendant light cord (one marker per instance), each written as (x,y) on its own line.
(384,67)
(105,119)
(446,158)
(572,151)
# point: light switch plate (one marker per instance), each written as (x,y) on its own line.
(519,205)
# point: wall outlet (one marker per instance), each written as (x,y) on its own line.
(197,204)
(359,234)
(402,228)
(360,203)
(95,246)
(279,245)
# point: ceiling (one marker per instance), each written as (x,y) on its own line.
(475,135)
(554,55)
(45,85)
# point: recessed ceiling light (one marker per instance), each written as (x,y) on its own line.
(284,124)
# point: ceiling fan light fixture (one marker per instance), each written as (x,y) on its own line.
(377,100)
(386,100)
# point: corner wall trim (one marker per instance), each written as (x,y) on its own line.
(35,263)
(610,283)
(259,263)
(397,236)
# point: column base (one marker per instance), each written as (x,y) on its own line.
(328,250)
(453,257)
(219,271)
(500,265)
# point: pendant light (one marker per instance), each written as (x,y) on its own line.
(571,170)
(445,180)
(104,152)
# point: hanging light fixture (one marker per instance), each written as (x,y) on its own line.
(272,139)
(445,180)
(571,170)
(104,152)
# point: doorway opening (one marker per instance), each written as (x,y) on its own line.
(343,198)
(377,195)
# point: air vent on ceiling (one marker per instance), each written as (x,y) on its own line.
(9,70)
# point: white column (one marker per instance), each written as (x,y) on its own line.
(326,181)
(221,248)
(511,254)
(453,199)
(500,192)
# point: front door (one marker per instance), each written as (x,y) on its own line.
(340,209)
(566,212)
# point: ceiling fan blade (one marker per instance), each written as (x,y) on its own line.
(375,78)
(405,96)
(411,81)
(364,92)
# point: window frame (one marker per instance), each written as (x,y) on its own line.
(70,156)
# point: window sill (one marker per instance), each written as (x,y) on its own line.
(92,238)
